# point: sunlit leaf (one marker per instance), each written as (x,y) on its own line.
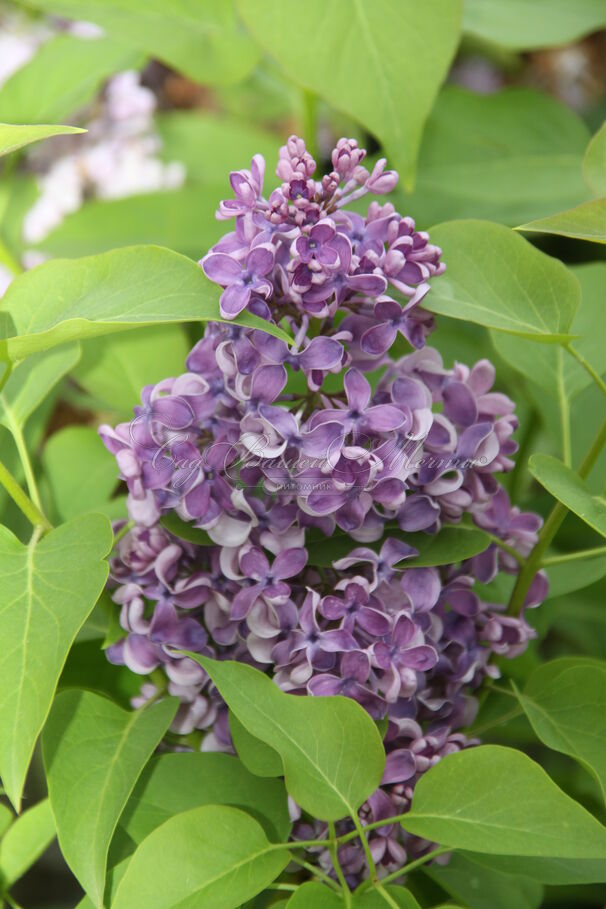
(13,136)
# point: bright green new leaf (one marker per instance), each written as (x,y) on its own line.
(530,24)
(201,38)
(389,92)
(332,753)
(451,544)
(496,800)
(496,278)
(213,857)
(32,381)
(172,783)
(81,472)
(30,835)
(61,78)
(594,162)
(584,222)
(47,589)
(480,887)
(65,300)
(566,486)
(565,700)
(114,369)
(13,137)
(256,755)
(94,752)
(508,156)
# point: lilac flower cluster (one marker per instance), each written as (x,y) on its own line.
(265,449)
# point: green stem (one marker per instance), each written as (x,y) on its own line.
(361,831)
(30,479)
(317,873)
(388,899)
(334,854)
(549,530)
(588,368)
(123,531)
(406,869)
(23,502)
(506,547)
(573,556)
(564,412)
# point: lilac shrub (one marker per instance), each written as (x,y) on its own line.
(272,452)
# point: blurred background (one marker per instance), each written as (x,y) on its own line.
(504,141)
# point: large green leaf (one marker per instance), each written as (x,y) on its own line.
(496,278)
(584,222)
(176,782)
(47,589)
(594,162)
(114,369)
(181,219)
(13,136)
(389,92)
(32,381)
(509,156)
(565,700)
(81,472)
(65,300)
(260,758)
(480,887)
(553,368)
(213,857)
(467,802)
(552,871)
(27,839)
(332,753)
(528,24)
(566,486)
(94,752)
(450,545)
(61,78)
(201,38)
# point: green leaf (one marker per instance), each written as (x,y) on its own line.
(181,219)
(94,752)
(315,896)
(594,162)
(567,487)
(63,75)
(450,545)
(213,857)
(553,368)
(529,24)
(565,700)
(201,38)
(31,382)
(331,750)
(6,818)
(512,156)
(115,291)
(584,222)
(13,136)
(185,530)
(81,472)
(372,899)
(389,92)
(259,758)
(115,369)
(30,836)
(552,871)
(497,279)
(47,589)
(480,887)
(566,577)
(172,783)
(466,802)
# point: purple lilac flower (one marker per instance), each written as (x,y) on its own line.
(269,446)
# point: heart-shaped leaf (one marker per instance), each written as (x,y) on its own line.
(94,752)
(331,750)
(47,589)
(496,278)
(496,800)
(213,857)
